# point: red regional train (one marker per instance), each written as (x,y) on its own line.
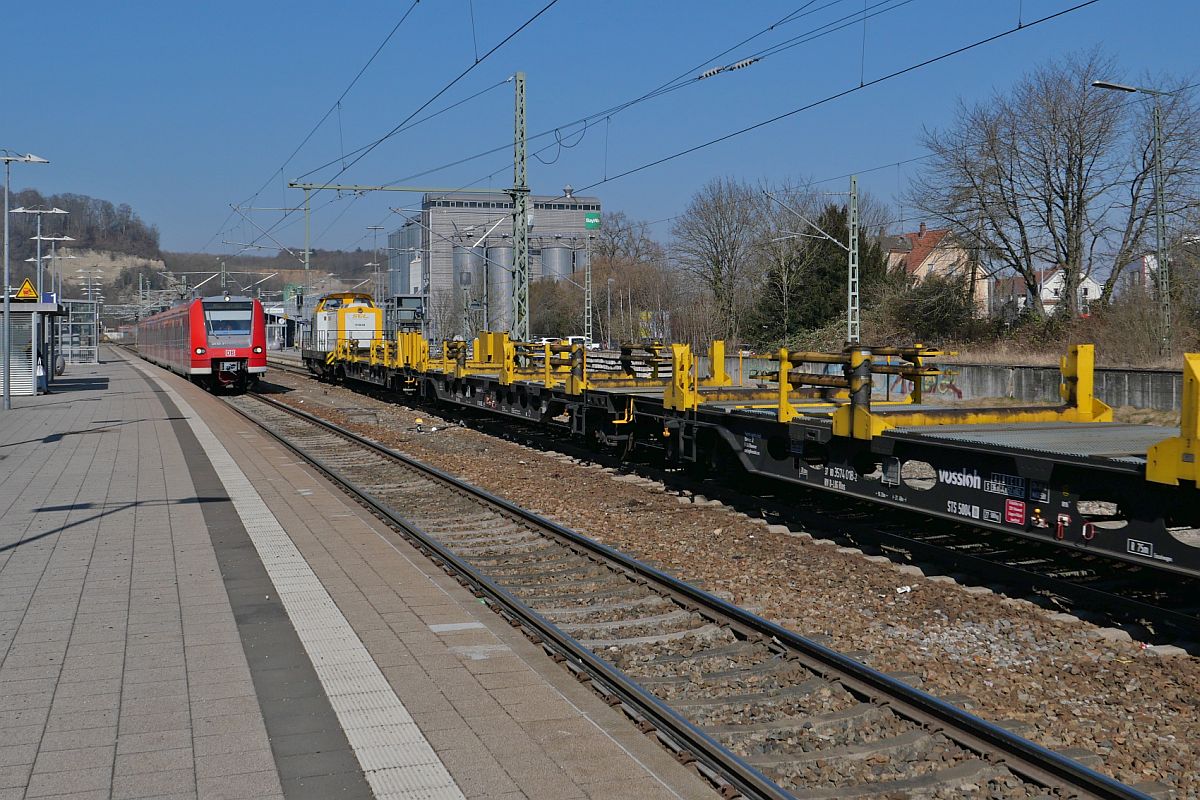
(219,342)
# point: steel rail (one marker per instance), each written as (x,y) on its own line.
(1022,756)
(732,769)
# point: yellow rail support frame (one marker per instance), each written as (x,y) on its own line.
(787,412)
(717,376)
(682,393)
(412,351)
(1173,460)
(859,422)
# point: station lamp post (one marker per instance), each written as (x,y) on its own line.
(54,270)
(1162,271)
(55,267)
(8,157)
(39,212)
(40,334)
(91,279)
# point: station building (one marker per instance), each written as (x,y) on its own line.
(456,253)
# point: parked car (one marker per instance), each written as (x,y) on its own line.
(583,340)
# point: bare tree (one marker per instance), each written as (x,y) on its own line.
(624,240)
(1057,174)
(714,240)
(445,314)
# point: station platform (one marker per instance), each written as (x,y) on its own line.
(187,611)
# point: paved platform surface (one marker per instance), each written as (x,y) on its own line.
(149,649)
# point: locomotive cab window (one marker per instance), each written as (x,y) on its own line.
(229,323)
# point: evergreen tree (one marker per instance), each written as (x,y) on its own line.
(805,286)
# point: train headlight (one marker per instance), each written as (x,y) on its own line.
(256,350)
(199,351)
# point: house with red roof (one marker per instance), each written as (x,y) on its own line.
(932,251)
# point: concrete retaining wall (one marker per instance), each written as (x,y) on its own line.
(1141,388)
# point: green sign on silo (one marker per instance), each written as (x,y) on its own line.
(591,220)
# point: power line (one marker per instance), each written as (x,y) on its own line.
(913,159)
(685,78)
(843,93)
(370,147)
(680,81)
(890,164)
(413,124)
(838,95)
(336,106)
(366,150)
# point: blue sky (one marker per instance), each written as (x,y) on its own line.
(180,109)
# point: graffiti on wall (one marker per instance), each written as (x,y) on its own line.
(931,385)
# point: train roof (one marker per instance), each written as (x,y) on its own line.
(222,298)
(347,297)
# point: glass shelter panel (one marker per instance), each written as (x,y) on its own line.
(78,332)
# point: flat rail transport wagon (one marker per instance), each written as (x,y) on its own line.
(1064,474)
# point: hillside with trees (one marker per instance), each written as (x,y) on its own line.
(93,223)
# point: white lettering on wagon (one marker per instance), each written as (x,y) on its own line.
(960,477)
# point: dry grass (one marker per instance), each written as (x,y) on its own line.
(1146,416)
(1003,353)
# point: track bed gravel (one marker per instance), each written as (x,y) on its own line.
(1060,684)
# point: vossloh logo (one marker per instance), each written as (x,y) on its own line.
(961,477)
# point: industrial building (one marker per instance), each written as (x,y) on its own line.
(457,254)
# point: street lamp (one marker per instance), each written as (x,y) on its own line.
(91,278)
(39,212)
(7,156)
(52,258)
(56,268)
(1163,271)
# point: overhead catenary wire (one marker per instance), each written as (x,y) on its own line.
(681,80)
(831,98)
(336,106)
(412,124)
(369,148)
(890,164)
(837,95)
(844,93)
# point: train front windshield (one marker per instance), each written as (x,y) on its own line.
(228,324)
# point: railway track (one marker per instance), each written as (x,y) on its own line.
(1157,607)
(757,709)
(1154,606)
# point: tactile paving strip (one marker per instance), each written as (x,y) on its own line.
(396,758)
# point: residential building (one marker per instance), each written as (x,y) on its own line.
(930,251)
(1010,295)
(457,252)
(1142,273)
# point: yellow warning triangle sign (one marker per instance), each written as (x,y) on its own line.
(26,292)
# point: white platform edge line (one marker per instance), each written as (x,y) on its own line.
(268,535)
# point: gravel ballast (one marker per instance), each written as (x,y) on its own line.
(1063,684)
